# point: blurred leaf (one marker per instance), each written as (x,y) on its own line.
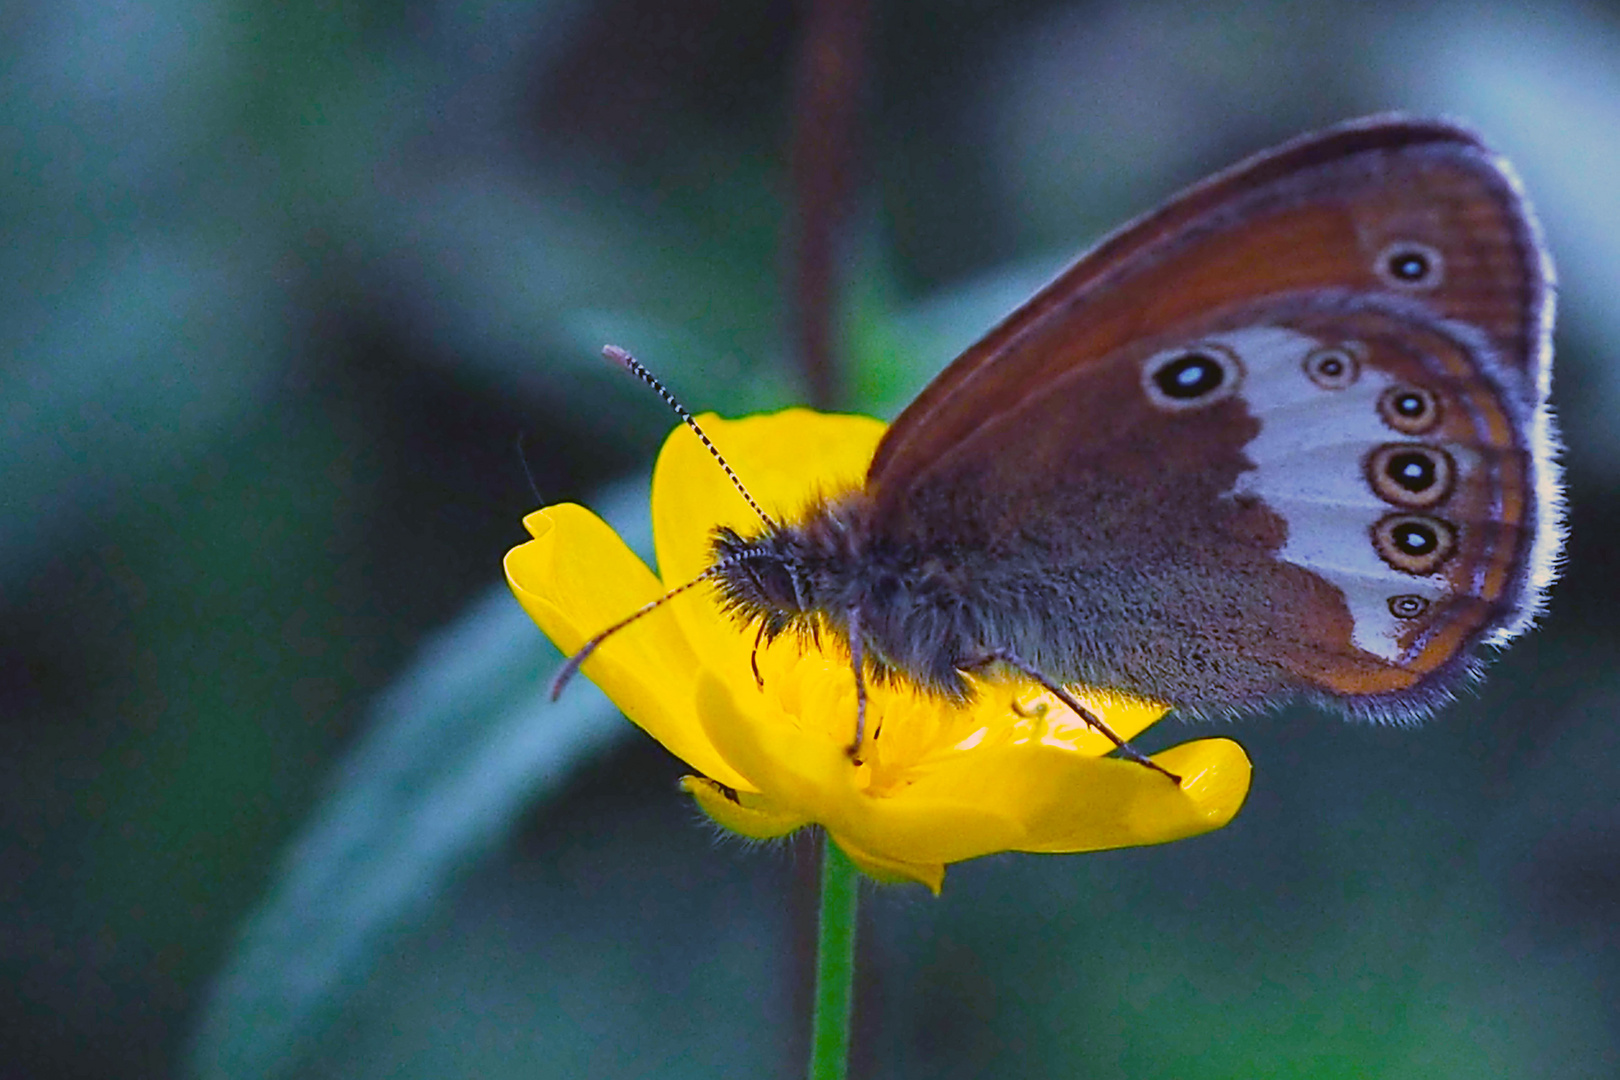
(462,744)
(162,347)
(497,267)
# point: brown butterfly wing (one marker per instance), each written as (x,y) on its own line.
(1313,213)
(1228,553)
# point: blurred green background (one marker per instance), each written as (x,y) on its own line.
(285,286)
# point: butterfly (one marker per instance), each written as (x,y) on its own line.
(1286,436)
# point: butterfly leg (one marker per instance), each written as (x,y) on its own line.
(1027,714)
(753,657)
(857,661)
(1092,720)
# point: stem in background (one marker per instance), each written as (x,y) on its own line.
(835,965)
(826,103)
(828,73)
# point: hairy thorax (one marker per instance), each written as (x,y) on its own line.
(915,606)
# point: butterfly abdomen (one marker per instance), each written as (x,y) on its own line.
(930,613)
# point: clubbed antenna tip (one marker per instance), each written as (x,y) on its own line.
(623,358)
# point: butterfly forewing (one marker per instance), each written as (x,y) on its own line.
(1329,211)
(1287,433)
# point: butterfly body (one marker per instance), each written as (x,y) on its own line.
(1286,436)
(931,612)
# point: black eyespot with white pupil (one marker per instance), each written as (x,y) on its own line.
(1415,538)
(1414,472)
(1408,265)
(1411,474)
(1191,378)
(1410,410)
(1332,368)
(1408,606)
(1414,543)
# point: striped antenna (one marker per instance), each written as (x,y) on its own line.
(625,360)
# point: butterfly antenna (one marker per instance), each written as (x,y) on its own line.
(625,360)
(571,668)
(528,473)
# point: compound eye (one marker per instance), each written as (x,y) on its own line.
(1191,378)
(773,578)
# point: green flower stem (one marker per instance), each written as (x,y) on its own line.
(835,965)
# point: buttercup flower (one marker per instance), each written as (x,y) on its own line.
(1015,771)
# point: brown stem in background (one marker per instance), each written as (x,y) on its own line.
(828,76)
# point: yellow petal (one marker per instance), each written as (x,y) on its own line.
(755,816)
(1215,775)
(1027,713)
(919,830)
(1070,804)
(575,578)
(798,767)
(787,460)
(802,768)
(893,871)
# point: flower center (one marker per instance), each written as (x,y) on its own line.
(907,730)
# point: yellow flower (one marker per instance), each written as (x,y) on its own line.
(1015,771)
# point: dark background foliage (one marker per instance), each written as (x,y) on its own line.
(286,283)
